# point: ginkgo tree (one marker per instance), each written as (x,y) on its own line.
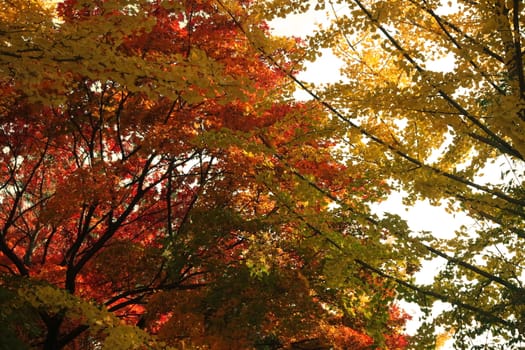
(158,188)
(451,135)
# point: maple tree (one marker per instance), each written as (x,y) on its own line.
(451,135)
(160,188)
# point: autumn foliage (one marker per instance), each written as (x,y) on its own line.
(431,94)
(158,187)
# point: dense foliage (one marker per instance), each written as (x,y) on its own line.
(432,95)
(159,187)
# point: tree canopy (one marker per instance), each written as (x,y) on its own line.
(453,136)
(159,187)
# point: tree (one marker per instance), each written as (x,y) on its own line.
(434,132)
(158,187)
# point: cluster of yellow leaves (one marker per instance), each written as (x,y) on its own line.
(432,96)
(45,54)
(117,335)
